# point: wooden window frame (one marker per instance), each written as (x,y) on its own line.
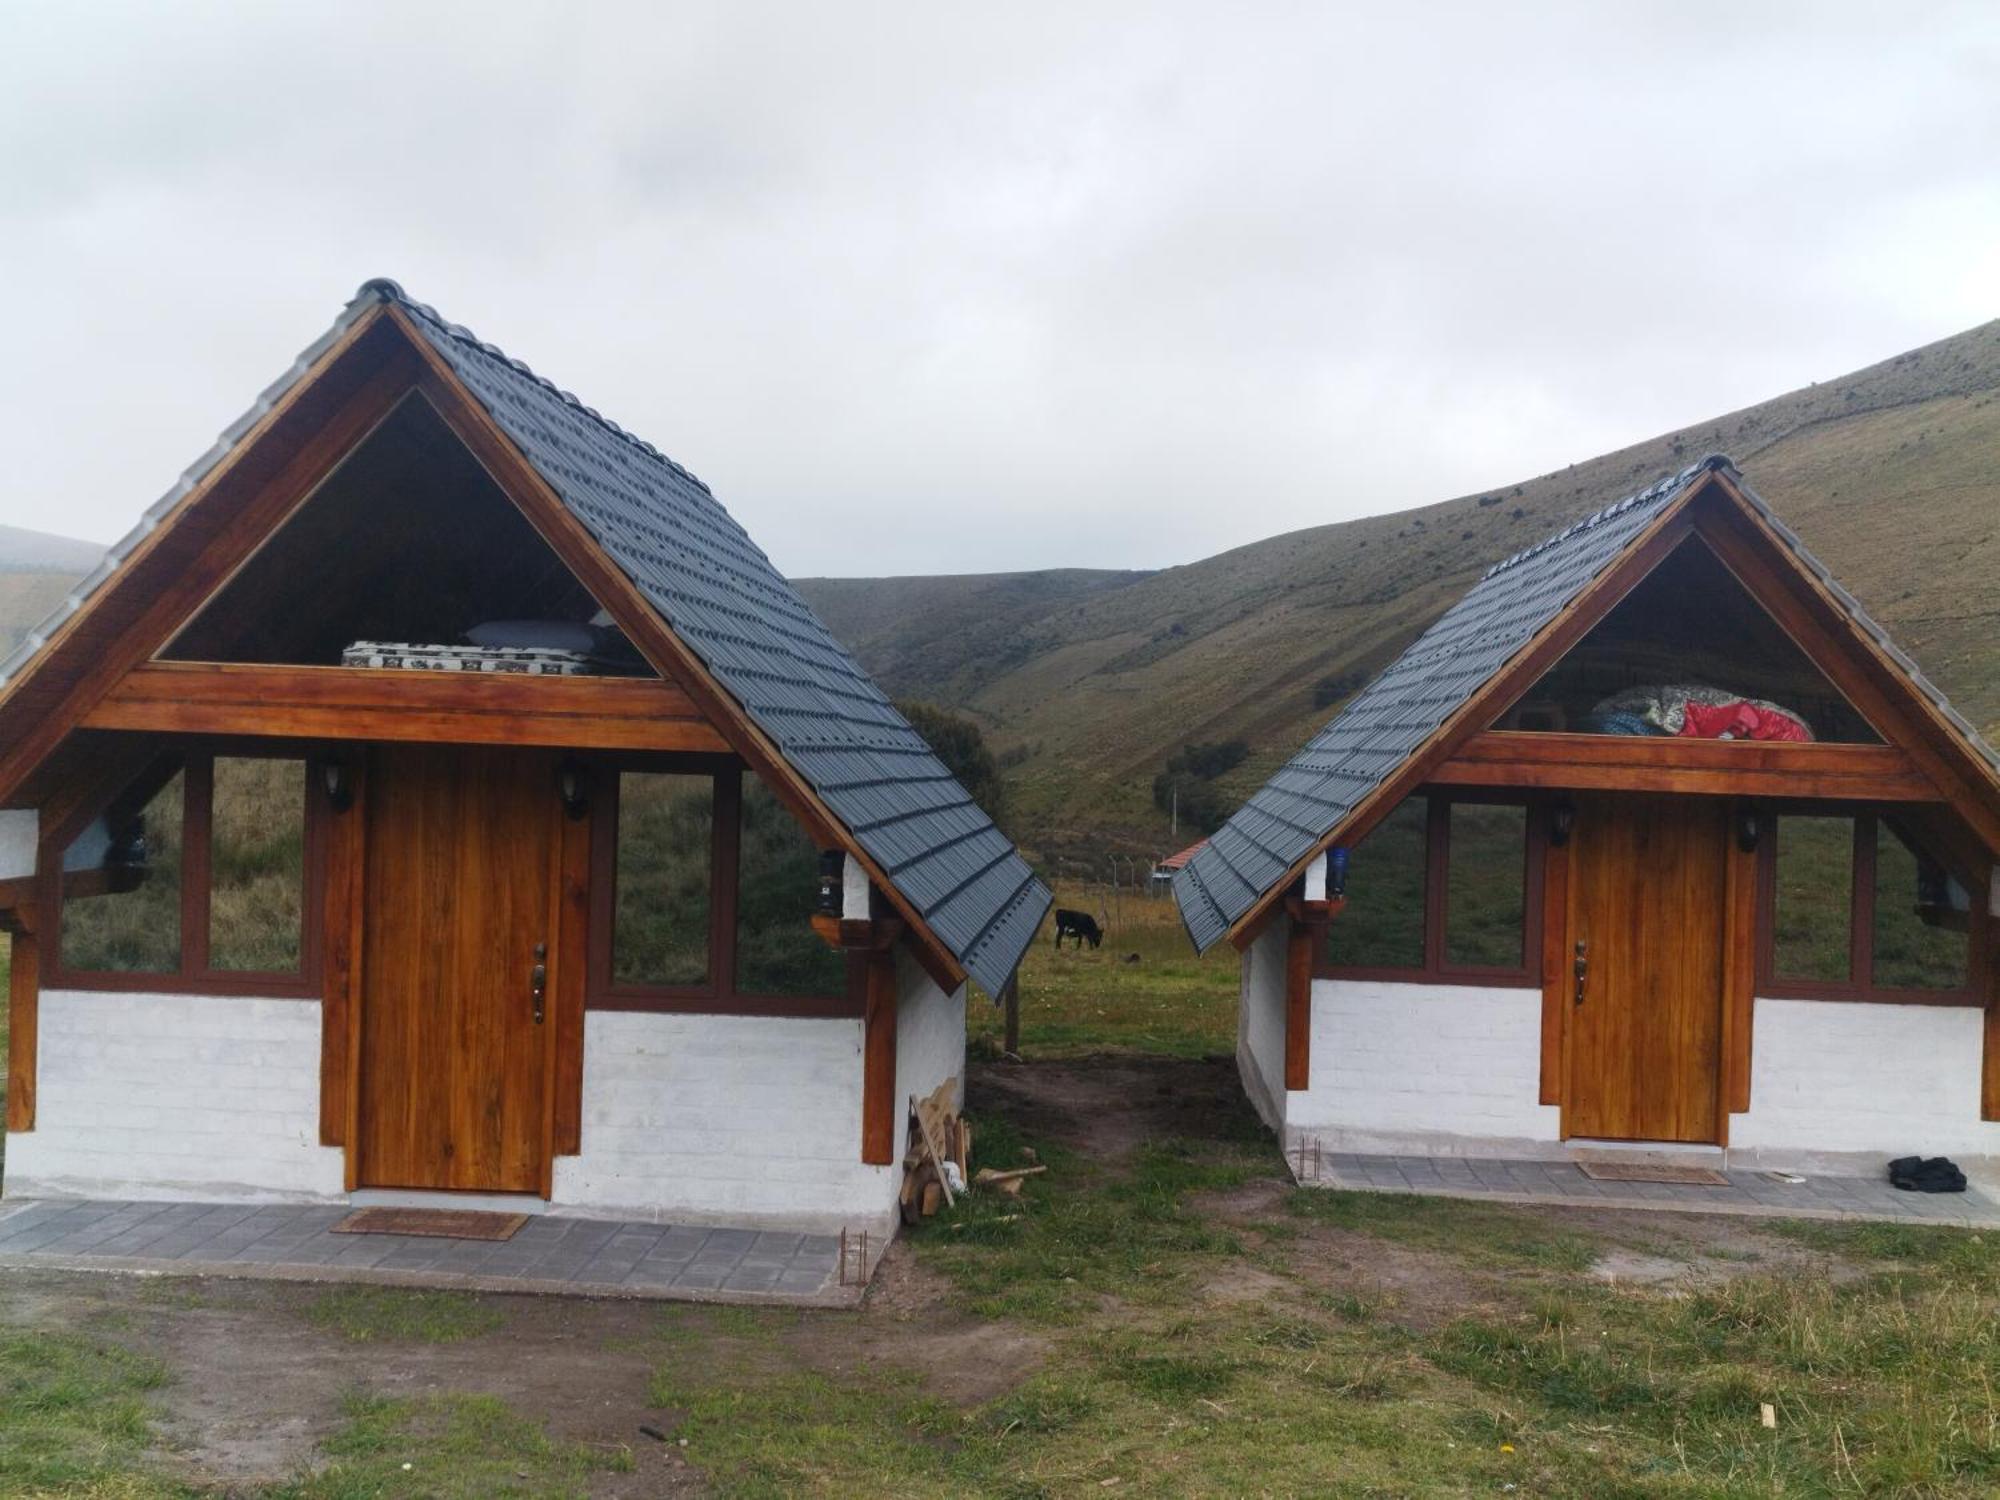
(1859,984)
(1436,968)
(195,975)
(718,996)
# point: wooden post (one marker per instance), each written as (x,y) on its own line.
(340,947)
(24,992)
(1739,973)
(1010,999)
(878,1061)
(1989,1073)
(1298,1002)
(1556,974)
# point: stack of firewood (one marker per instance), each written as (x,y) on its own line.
(934,1170)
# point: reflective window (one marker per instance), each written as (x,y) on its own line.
(121,908)
(1486,886)
(1813,906)
(665,866)
(1382,926)
(777,952)
(257,865)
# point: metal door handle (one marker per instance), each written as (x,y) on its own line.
(1582,969)
(538,980)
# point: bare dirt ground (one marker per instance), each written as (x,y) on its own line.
(257,1386)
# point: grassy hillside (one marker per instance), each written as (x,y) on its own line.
(949,636)
(1892,475)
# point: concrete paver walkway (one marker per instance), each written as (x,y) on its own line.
(1561,1182)
(585,1257)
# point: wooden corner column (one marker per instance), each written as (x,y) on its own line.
(24,991)
(1305,936)
(1989,1071)
(870,946)
(878,1061)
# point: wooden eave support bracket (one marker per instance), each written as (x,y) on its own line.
(1305,936)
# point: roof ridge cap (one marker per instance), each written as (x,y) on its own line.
(387,289)
(1659,489)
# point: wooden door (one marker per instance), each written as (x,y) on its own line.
(460,875)
(1646,902)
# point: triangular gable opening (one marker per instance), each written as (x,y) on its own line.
(409,542)
(1689,633)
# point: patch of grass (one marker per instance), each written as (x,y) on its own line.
(1878,1389)
(446,1447)
(1488,1233)
(1965,1253)
(75,1418)
(1076,1236)
(758,1433)
(367,1314)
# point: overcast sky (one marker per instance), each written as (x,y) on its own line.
(943,288)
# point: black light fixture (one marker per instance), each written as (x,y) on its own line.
(1749,829)
(573,784)
(832,878)
(338,783)
(1562,818)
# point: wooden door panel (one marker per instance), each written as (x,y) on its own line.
(460,865)
(1646,898)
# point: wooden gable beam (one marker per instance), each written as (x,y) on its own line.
(637,617)
(201,542)
(1822,628)
(1596,762)
(360,703)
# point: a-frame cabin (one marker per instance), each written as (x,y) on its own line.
(1652,842)
(438,793)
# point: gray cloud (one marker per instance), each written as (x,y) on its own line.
(918,289)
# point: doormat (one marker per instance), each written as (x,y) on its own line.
(1645,1171)
(441,1223)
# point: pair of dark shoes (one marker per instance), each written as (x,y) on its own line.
(1913,1174)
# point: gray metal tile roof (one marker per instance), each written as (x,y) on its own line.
(758,638)
(1304,804)
(762,642)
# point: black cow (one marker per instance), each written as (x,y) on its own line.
(1079,925)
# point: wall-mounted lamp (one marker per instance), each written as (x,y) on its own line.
(338,783)
(1749,829)
(1562,818)
(832,873)
(1336,872)
(573,785)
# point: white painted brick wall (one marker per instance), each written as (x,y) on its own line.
(1431,1068)
(1260,1026)
(930,1035)
(747,1119)
(175,1096)
(1848,1084)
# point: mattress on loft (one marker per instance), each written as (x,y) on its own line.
(539,661)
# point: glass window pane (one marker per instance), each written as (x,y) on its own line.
(666,840)
(1383,925)
(1813,907)
(122,888)
(777,952)
(1486,895)
(257,865)
(1920,916)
